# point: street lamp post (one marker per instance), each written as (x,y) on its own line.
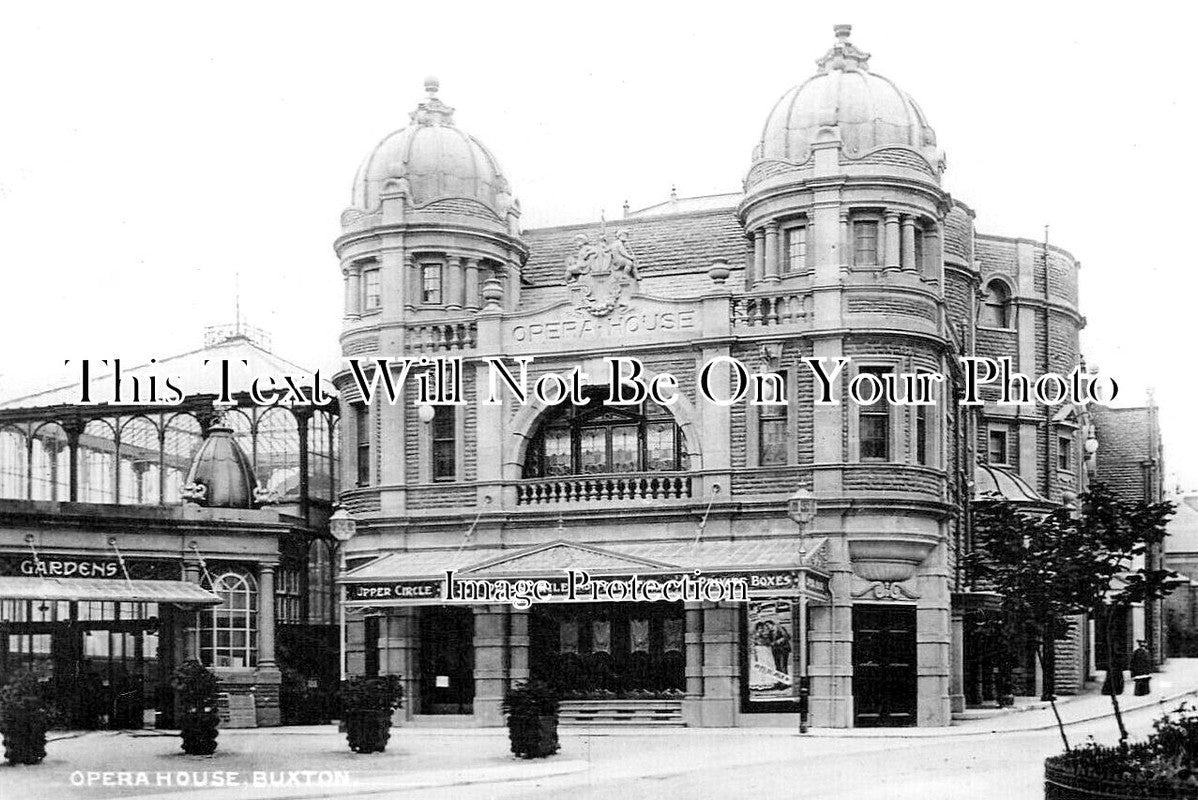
(343,527)
(801,509)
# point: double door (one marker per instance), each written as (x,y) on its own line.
(884,666)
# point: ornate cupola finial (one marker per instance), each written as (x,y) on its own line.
(844,55)
(432,111)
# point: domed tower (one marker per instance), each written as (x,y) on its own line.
(846,176)
(220,474)
(432,218)
(845,215)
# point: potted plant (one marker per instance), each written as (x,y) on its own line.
(531,711)
(367,704)
(1165,765)
(196,690)
(24,718)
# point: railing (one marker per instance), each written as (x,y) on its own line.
(430,337)
(599,488)
(761,311)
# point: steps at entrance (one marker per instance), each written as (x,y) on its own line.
(660,713)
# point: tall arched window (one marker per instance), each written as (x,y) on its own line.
(140,459)
(229,632)
(97,462)
(996,307)
(50,464)
(597,439)
(14,469)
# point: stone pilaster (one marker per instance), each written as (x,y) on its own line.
(399,643)
(472,301)
(691,706)
(758,256)
(490,674)
(956,683)
(721,669)
(830,645)
(933,641)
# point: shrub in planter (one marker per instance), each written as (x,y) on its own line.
(24,718)
(531,710)
(1164,766)
(367,704)
(196,690)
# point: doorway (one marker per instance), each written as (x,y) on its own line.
(884,660)
(446,660)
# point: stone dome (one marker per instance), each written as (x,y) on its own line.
(223,471)
(432,159)
(868,110)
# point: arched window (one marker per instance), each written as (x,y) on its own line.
(51,463)
(182,439)
(229,632)
(97,462)
(996,308)
(598,439)
(14,470)
(140,457)
(276,452)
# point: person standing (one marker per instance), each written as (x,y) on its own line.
(1141,668)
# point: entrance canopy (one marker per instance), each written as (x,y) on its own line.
(105,590)
(769,566)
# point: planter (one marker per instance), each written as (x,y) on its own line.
(198,729)
(533,737)
(368,730)
(25,743)
(1062,783)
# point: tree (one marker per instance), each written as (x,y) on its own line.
(1054,566)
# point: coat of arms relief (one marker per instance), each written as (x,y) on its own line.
(602,275)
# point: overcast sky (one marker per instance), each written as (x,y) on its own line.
(151,152)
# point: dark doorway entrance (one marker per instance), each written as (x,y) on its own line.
(446,660)
(884,677)
(599,651)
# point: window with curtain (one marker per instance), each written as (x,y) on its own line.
(596,439)
(865,243)
(362,431)
(796,249)
(771,426)
(874,421)
(444,450)
(372,295)
(430,284)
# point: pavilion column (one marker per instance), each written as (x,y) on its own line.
(772,266)
(893,246)
(266,615)
(758,256)
(73,430)
(455,294)
(908,254)
(472,284)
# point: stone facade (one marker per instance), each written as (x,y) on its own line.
(843,243)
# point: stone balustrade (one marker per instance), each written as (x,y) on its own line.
(599,488)
(756,311)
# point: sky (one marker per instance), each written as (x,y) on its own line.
(158,161)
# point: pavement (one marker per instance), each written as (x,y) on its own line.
(1004,749)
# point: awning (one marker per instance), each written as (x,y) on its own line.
(998,484)
(771,565)
(105,590)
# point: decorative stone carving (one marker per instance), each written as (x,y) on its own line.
(885,590)
(602,276)
(194,493)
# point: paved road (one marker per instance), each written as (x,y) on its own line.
(1001,766)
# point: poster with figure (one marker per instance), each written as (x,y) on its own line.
(771,650)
